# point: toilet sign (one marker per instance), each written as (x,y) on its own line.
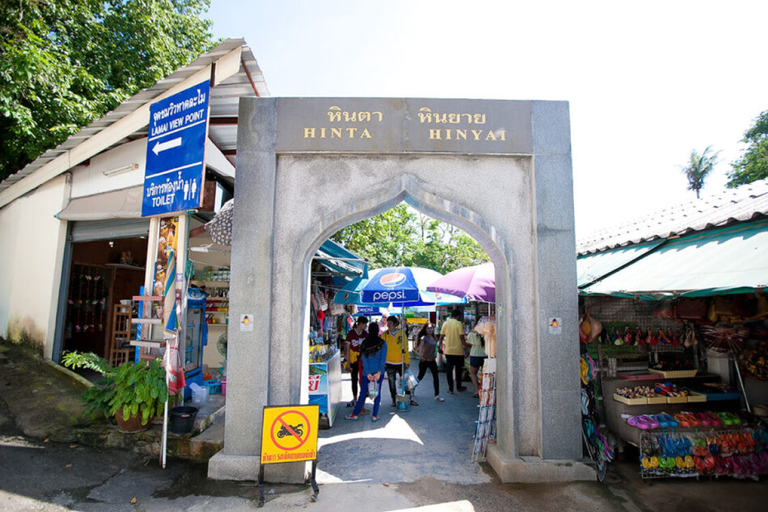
(289,433)
(175,165)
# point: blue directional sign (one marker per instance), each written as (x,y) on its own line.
(175,168)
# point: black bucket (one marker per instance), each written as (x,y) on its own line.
(182,419)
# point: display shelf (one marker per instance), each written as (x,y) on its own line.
(630,434)
(124,266)
(211,284)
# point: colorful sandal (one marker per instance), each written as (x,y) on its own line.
(682,420)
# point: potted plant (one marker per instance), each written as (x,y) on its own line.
(132,393)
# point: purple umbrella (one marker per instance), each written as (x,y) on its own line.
(473,283)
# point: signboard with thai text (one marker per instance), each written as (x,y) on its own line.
(175,167)
(388,125)
(289,434)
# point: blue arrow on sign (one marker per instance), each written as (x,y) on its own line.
(175,167)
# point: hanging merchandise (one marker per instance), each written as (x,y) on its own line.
(589,328)
(486,327)
(485,428)
(597,445)
(736,453)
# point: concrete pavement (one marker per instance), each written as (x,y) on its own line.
(418,459)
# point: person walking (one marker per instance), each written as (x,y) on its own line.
(426,347)
(397,356)
(373,352)
(453,344)
(352,354)
(477,356)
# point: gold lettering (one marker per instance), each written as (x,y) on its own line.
(335,133)
(490,136)
(461,134)
(434,134)
(365,134)
(448,134)
(477,134)
(309,133)
(503,134)
(322,133)
(351,132)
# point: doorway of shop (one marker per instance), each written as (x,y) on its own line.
(103,264)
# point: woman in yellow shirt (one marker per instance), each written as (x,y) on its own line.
(397,354)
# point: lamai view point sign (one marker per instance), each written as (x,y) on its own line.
(175,166)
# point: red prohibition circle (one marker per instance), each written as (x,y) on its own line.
(279,420)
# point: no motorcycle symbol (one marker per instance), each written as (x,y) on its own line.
(288,430)
(289,434)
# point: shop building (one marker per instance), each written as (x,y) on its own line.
(73,223)
(680,297)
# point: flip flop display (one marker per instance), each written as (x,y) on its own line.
(738,454)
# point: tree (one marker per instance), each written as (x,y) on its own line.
(699,167)
(66,63)
(753,164)
(404,237)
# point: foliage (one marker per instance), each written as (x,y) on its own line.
(403,237)
(135,388)
(66,63)
(753,164)
(699,167)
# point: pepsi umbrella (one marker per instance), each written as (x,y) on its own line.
(404,287)
(477,282)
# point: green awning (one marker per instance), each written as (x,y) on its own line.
(339,261)
(728,260)
(592,267)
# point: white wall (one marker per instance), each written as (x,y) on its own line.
(89,179)
(31,255)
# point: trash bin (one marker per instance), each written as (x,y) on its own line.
(182,419)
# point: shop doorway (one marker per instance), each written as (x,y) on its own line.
(100,271)
(308,167)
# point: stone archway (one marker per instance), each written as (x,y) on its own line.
(500,170)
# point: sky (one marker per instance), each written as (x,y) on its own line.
(647,82)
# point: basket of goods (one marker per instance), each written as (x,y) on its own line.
(638,395)
(672,393)
(674,369)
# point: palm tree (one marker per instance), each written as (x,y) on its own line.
(699,167)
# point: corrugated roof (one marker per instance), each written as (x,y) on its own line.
(224,101)
(720,261)
(730,205)
(592,267)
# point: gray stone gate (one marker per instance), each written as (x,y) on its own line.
(499,170)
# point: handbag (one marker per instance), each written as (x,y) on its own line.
(373,389)
(410,381)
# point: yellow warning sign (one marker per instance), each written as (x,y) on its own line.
(289,433)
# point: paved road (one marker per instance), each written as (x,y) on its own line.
(419,458)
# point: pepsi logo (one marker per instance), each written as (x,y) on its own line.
(393,279)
